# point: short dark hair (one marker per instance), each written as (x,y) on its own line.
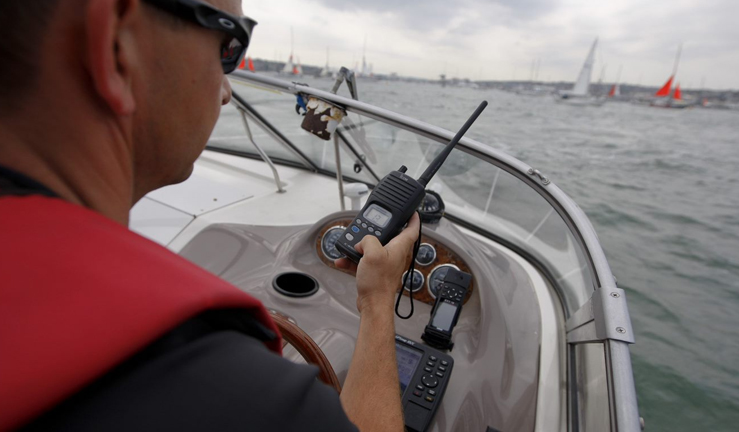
(22,31)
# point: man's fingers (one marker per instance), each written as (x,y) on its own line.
(369,245)
(359,248)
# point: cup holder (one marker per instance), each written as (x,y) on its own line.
(295,284)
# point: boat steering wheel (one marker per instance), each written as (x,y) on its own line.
(307,348)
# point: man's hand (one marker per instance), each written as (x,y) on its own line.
(380,269)
(374,369)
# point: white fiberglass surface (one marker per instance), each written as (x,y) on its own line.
(474,190)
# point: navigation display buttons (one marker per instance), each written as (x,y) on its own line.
(430,381)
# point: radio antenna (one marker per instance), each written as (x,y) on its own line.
(439,160)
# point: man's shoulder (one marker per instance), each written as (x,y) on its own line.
(51,233)
(76,283)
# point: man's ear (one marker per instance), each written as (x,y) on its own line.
(107,23)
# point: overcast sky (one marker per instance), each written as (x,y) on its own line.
(499,39)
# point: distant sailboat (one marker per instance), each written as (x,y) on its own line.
(326,71)
(247,63)
(298,69)
(665,90)
(678,95)
(290,67)
(615,91)
(665,97)
(580,94)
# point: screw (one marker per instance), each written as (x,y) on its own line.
(620,330)
(615,295)
(531,171)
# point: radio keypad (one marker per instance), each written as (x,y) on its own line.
(362,228)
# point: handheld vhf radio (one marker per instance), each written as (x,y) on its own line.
(394,200)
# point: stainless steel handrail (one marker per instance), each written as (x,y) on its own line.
(262,153)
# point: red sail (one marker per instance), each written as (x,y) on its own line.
(295,70)
(612,93)
(243,64)
(678,95)
(251,65)
(665,90)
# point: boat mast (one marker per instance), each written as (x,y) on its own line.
(671,96)
(677,60)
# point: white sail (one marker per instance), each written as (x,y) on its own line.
(583,81)
(288,69)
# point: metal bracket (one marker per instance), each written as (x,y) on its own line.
(535,172)
(339,175)
(605,316)
(261,152)
(351,82)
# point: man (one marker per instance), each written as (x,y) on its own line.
(101,329)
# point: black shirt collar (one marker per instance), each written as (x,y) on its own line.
(14,183)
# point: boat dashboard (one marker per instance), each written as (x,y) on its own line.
(497,338)
(433,261)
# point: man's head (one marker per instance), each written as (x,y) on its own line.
(146,83)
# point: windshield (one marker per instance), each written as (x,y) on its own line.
(475,191)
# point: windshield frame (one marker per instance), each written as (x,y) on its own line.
(568,210)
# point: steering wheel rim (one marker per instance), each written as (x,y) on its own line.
(307,347)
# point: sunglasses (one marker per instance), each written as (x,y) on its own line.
(238,28)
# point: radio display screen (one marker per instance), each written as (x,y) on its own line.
(408,360)
(377,215)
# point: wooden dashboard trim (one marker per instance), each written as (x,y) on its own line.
(444,255)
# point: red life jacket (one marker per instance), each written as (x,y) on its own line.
(79,294)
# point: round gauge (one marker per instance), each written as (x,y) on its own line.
(437,277)
(426,254)
(417,280)
(328,242)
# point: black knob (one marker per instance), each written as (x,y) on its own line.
(403,169)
